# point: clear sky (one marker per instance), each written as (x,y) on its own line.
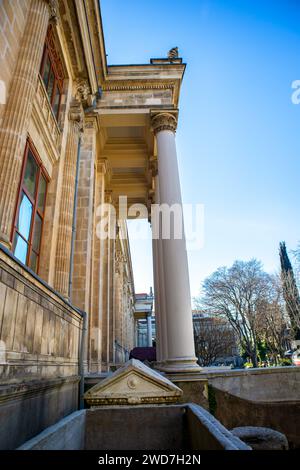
(238,137)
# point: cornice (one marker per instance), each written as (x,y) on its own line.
(124,85)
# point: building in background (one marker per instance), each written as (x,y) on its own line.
(215,341)
(145,320)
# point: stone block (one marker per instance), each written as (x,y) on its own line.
(260,438)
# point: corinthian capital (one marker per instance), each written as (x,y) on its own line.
(164,121)
(53,8)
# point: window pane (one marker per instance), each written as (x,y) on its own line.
(20,248)
(33,262)
(50,85)
(46,71)
(30,174)
(42,193)
(56,102)
(24,218)
(37,230)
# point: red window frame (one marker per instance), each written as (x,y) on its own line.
(56,69)
(34,201)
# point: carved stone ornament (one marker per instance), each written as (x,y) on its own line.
(133,384)
(173,54)
(163,121)
(53,8)
(76,114)
(82,89)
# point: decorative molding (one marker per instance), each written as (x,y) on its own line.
(164,121)
(123,85)
(133,384)
(52,50)
(82,89)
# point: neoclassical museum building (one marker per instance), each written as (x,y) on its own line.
(76,134)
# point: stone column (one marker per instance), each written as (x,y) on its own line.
(82,262)
(149,330)
(161,287)
(15,121)
(106,275)
(181,349)
(96,311)
(64,237)
(157,300)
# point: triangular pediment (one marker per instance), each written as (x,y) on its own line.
(133,384)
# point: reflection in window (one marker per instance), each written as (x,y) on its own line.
(52,72)
(24,219)
(30,212)
(31,170)
(20,248)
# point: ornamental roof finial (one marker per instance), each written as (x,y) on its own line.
(173,54)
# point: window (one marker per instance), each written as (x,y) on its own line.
(30,211)
(52,73)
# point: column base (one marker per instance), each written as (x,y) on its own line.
(180,366)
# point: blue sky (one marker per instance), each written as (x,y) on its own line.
(238,137)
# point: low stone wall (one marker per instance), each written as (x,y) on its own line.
(263,384)
(258,397)
(173,427)
(40,336)
(67,434)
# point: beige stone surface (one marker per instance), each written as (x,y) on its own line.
(133,384)
(39,332)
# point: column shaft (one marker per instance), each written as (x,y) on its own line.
(181,350)
(96,312)
(149,330)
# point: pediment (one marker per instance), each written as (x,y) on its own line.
(133,384)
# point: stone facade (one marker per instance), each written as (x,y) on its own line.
(91,130)
(40,338)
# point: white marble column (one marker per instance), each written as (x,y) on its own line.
(149,330)
(159,286)
(181,349)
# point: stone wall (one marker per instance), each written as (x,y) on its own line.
(13,15)
(258,397)
(185,427)
(283,416)
(40,337)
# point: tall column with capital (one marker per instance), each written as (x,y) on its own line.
(181,349)
(64,236)
(82,282)
(15,121)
